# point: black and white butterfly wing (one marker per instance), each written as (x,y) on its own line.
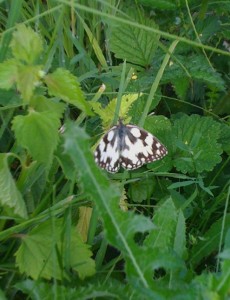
(107,155)
(139,147)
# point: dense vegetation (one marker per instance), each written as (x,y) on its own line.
(69,69)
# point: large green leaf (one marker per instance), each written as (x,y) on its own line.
(196,141)
(38,132)
(10,197)
(40,252)
(26,44)
(61,83)
(8,74)
(136,45)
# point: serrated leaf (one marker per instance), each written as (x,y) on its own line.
(107,114)
(136,45)
(10,197)
(28,78)
(42,104)
(197,144)
(40,252)
(38,132)
(61,83)
(26,44)
(8,74)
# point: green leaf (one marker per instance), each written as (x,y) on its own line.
(65,85)
(163,4)
(42,104)
(107,113)
(209,242)
(28,78)
(26,44)
(38,132)
(225,138)
(197,144)
(8,74)
(141,190)
(10,197)
(40,252)
(165,218)
(136,45)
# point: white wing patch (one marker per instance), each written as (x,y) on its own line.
(128,146)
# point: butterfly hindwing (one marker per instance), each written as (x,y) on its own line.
(140,147)
(106,154)
(128,146)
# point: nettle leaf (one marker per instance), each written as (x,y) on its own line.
(210,241)
(10,197)
(42,104)
(61,83)
(26,44)
(40,252)
(8,74)
(136,45)
(196,141)
(107,113)
(38,132)
(28,77)
(120,227)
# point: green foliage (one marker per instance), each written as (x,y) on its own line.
(40,254)
(197,144)
(67,72)
(10,197)
(134,44)
(38,132)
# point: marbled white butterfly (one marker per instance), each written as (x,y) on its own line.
(127,146)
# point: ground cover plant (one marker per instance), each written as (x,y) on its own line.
(69,70)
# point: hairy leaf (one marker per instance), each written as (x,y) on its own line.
(38,132)
(136,45)
(8,74)
(61,83)
(196,139)
(41,249)
(10,197)
(26,44)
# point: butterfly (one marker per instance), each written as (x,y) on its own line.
(129,147)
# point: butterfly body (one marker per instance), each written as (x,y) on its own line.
(127,146)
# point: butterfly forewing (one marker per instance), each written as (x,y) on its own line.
(106,154)
(128,146)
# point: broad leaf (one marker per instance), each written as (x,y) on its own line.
(38,132)
(26,44)
(136,45)
(196,139)
(27,79)
(10,197)
(41,250)
(8,74)
(61,83)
